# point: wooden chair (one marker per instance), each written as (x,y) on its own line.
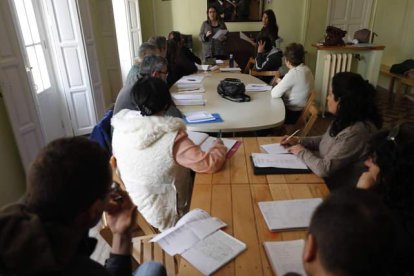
(143,251)
(307,119)
(274,74)
(249,66)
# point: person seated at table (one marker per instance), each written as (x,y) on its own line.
(268,58)
(46,232)
(178,64)
(296,85)
(270,27)
(350,233)
(161,43)
(213,47)
(338,155)
(177,37)
(390,174)
(154,155)
(144,50)
(151,66)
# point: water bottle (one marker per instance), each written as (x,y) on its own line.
(231,61)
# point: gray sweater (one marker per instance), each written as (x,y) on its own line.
(212,47)
(340,159)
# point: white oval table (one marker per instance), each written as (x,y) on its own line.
(260,113)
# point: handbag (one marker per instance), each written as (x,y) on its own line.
(233,90)
(363,36)
(334,36)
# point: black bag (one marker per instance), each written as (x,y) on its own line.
(401,68)
(233,90)
(334,36)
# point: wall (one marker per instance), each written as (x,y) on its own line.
(11,170)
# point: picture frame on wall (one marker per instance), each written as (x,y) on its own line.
(238,10)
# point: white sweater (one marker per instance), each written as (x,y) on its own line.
(143,149)
(295,87)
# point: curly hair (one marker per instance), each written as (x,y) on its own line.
(295,54)
(356,98)
(394,158)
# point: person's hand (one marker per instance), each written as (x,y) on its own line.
(120,213)
(261,46)
(366,181)
(208,33)
(289,142)
(296,149)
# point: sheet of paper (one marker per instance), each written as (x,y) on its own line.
(209,142)
(201,116)
(258,87)
(275,148)
(288,214)
(197,137)
(219,61)
(286,161)
(185,96)
(246,38)
(189,102)
(285,256)
(213,252)
(230,69)
(191,79)
(220,33)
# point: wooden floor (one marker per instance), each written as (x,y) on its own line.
(399,111)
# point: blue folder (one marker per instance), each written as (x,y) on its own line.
(217,119)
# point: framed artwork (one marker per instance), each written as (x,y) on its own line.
(238,10)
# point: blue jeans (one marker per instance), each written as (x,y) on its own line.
(150,269)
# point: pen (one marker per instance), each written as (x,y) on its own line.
(219,134)
(293,134)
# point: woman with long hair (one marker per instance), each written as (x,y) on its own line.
(270,27)
(338,155)
(212,47)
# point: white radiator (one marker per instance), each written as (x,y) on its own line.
(333,64)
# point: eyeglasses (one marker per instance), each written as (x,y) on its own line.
(163,72)
(393,134)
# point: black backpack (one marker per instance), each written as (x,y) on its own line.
(401,68)
(233,90)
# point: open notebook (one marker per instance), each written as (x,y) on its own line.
(197,238)
(285,256)
(206,142)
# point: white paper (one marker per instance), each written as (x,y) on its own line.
(201,116)
(286,256)
(197,137)
(219,61)
(258,87)
(246,38)
(230,69)
(283,161)
(190,88)
(189,102)
(220,34)
(213,252)
(288,214)
(184,96)
(191,79)
(206,142)
(275,148)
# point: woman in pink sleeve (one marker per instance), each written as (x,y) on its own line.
(154,155)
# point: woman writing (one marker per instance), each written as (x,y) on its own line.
(154,155)
(338,155)
(213,47)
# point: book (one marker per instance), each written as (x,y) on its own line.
(288,214)
(197,238)
(278,162)
(258,87)
(190,79)
(285,256)
(206,142)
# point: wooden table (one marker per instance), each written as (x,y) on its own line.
(232,195)
(261,112)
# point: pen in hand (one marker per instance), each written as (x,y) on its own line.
(290,136)
(219,134)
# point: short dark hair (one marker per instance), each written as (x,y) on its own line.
(151,64)
(146,49)
(174,35)
(66,178)
(268,42)
(356,98)
(151,96)
(295,54)
(158,41)
(354,233)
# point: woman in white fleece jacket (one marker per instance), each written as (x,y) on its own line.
(296,85)
(154,153)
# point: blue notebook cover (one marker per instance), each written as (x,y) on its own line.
(217,119)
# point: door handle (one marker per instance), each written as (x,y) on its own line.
(29,68)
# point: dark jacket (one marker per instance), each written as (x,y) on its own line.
(30,246)
(270,61)
(182,66)
(190,55)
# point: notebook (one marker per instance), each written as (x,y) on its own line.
(206,142)
(272,163)
(288,214)
(285,256)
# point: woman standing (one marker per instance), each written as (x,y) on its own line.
(338,155)
(212,47)
(270,27)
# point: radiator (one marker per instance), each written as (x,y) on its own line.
(333,64)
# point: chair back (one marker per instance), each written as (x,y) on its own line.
(307,118)
(274,74)
(249,66)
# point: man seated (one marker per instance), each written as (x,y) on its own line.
(151,66)
(46,233)
(145,49)
(351,233)
(269,58)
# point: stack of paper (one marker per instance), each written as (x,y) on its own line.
(188,99)
(285,256)
(230,69)
(286,161)
(201,116)
(275,148)
(191,79)
(197,237)
(288,214)
(190,88)
(258,87)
